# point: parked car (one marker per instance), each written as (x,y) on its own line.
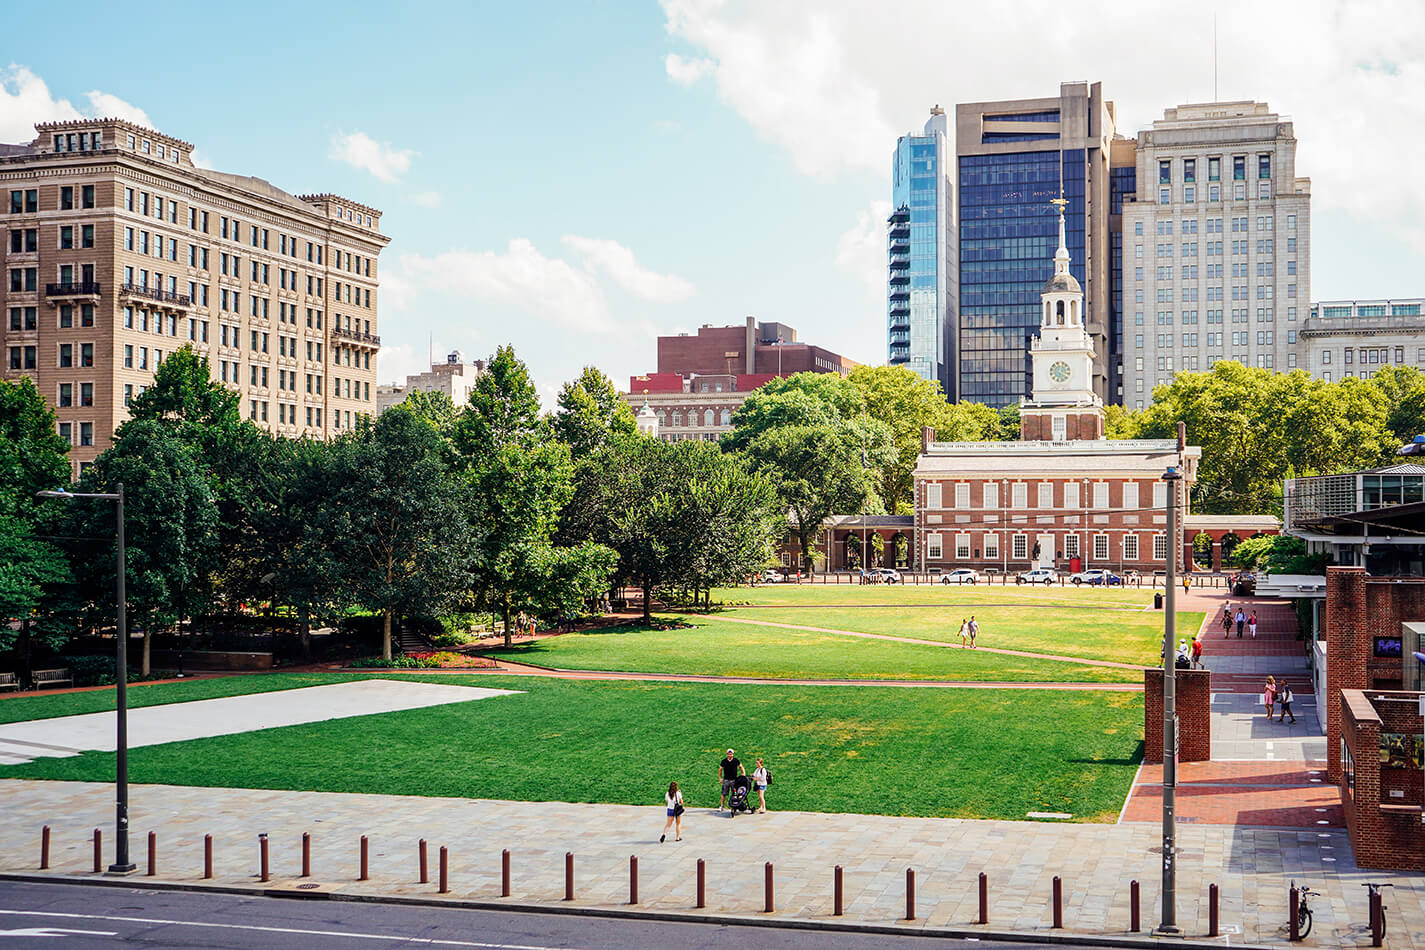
(1039,575)
(770,577)
(961,575)
(885,575)
(1096,576)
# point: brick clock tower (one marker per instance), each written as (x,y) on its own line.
(1062,405)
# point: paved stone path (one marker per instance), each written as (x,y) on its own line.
(152,725)
(1252,866)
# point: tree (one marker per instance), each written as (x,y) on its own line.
(398,537)
(1280,553)
(801,399)
(1403,390)
(590,413)
(518,480)
(170,526)
(1120,422)
(817,471)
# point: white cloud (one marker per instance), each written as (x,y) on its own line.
(395,362)
(427,199)
(685,72)
(381,159)
(25,99)
(861,249)
(111,106)
(521,277)
(834,84)
(619,265)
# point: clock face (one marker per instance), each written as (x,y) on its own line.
(1059,372)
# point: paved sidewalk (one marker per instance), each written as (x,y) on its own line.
(1253,866)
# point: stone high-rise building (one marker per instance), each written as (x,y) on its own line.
(1216,246)
(118,250)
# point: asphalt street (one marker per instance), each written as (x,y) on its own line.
(83,916)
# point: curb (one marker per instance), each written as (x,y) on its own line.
(1124,941)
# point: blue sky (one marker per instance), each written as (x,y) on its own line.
(576,178)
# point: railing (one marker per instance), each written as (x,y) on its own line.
(153,293)
(356,336)
(1325,326)
(82,288)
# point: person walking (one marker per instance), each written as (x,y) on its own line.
(964,632)
(1252,623)
(974,630)
(1241,622)
(674,801)
(1284,696)
(761,778)
(727,771)
(1226,621)
(1187,582)
(1269,696)
(1197,651)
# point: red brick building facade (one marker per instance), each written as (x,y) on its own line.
(1380,765)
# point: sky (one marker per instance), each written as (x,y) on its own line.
(578,178)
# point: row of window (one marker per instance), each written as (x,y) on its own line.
(1242,224)
(709,418)
(1214,168)
(1372,355)
(1067,494)
(967,548)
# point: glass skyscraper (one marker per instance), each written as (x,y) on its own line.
(919,244)
(1013,159)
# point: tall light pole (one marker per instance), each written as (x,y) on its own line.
(1169,924)
(122,864)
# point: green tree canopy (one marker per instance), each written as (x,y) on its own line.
(591,412)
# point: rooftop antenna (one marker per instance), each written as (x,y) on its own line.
(430,349)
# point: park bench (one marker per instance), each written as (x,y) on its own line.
(44,679)
(8,682)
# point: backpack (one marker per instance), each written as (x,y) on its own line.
(769,778)
(1183,662)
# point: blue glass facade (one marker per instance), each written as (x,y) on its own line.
(1122,182)
(1008,232)
(920,270)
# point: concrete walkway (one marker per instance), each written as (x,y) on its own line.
(1253,867)
(178,722)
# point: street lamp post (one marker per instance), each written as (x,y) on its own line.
(1169,924)
(122,864)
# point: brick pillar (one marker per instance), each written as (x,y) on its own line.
(1346,652)
(1194,701)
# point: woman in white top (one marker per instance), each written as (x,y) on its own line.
(674,800)
(964,632)
(759,782)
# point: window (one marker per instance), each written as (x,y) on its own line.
(1019,495)
(1160,495)
(1019,547)
(962,494)
(1239,168)
(991,545)
(962,547)
(66,354)
(1160,547)
(1130,547)
(66,395)
(932,547)
(1130,496)
(1100,547)
(1071,545)
(1189,169)
(86,433)
(991,495)
(1046,494)
(1100,495)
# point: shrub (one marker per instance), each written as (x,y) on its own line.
(91,670)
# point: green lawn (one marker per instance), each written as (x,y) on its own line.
(722,648)
(878,750)
(1121,636)
(835,595)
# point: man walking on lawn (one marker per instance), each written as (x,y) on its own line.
(727,771)
(974,630)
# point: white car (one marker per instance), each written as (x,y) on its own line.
(885,575)
(961,575)
(1039,575)
(1095,577)
(770,577)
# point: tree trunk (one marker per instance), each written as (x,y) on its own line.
(386,635)
(647,602)
(147,639)
(305,634)
(505,611)
(806,551)
(26,665)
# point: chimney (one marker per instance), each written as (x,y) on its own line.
(749,345)
(1182,436)
(927,436)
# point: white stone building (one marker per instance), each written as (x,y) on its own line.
(1345,338)
(454,377)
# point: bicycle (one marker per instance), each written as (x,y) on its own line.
(1374,891)
(1303,911)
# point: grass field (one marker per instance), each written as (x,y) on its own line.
(877,750)
(718,647)
(27,706)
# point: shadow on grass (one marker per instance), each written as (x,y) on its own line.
(1136,758)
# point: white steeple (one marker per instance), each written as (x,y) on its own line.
(1063,352)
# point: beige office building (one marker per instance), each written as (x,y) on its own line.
(1216,246)
(1345,338)
(119,250)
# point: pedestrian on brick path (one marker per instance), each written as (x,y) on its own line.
(1226,620)
(727,772)
(1285,697)
(761,778)
(1269,696)
(974,630)
(964,632)
(1197,651)
(674,800)
(1241,622)
(1252,623)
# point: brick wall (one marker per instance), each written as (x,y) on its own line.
(1038,426)
(1194,702)
(1358,609)
(1385,832)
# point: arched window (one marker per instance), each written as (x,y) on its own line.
(1074,311)
(727,417)
(677,418)
(708,418)
(662,419)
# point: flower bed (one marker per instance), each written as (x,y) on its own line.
(443,660)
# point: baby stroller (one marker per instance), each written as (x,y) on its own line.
(737,801)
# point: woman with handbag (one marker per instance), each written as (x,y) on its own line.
(674,800)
